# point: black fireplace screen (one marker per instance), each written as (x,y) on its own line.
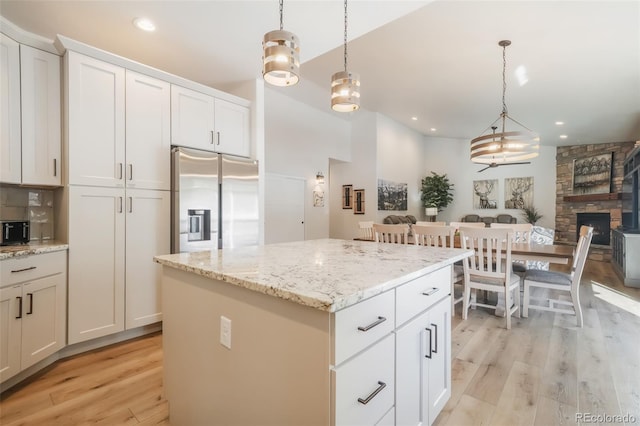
(601,223)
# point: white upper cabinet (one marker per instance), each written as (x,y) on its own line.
(192,119)
(41,135)
(10,156)
(148,127)
(204,122)
(232,128)
(96,121)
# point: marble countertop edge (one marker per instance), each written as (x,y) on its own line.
(10,252)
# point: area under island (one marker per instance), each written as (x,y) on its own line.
(317,332)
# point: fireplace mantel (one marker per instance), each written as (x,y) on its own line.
(593,197)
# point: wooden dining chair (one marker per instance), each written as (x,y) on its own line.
(521,234)
(441,236)
(489,269)
(560,281)
(457,225)
(366,230)
(393,234)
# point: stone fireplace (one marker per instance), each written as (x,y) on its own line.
(601,223)
(570,206)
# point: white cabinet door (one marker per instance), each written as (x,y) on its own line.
(96,121)
(148,223)
(41,134)
(44,318)
(232,128)
(10,161)
(439,380)
(148,127)
(10,331)
(96,262)
(192,119)
(423,366)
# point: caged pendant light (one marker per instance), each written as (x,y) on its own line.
(345,85)
(505,147)
(281,56)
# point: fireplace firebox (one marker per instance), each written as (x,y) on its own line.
(601,223)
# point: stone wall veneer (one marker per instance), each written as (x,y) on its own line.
(566,210)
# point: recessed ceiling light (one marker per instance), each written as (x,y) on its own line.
(563,136)
(559,123)
(144,24)
(433,129)
(414,118)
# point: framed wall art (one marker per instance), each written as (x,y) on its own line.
(392,195)
(518,192)
(358,201)
(592,175)
(485,194)
(347,196)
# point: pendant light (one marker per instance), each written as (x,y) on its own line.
(345,86)
(281,56)
(504,147)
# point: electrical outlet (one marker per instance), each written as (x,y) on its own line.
(225,332)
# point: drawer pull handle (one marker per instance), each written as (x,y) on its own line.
(19,307)
(381,385)
(430,347)
(23,270)
(435,326)
(30,311)
(373,324)
(433,291)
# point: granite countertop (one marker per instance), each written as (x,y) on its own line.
(8,252)
(326,274)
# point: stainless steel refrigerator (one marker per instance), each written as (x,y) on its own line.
(214,201)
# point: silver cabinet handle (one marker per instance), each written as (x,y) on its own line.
(55,167)
(30,268)
(30,311)
(19,307)
(435,327)
(130,204)
(218,138)
(212,138)
(365,401)
(373,324)
(119,170)
(120,200)
(434,290)
(430,347)
(130,171)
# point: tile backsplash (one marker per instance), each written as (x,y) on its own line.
(35,205)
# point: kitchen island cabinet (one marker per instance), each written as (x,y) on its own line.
(309,332)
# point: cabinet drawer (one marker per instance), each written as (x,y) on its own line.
(28,268)
(417,295)
(364,386)
(361,325)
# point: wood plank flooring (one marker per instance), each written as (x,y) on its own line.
(541,372)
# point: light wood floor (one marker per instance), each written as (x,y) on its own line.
(541,372)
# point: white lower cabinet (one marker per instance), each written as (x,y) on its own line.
(113,281)
(423,365)
(32,310)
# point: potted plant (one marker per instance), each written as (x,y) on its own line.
(437,193)
(530,214)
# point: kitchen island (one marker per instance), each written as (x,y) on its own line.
(311,332)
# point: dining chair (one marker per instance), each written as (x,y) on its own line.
(560,281)
(457,225)
(521,234)
(425,223)
(394,234)
(489,269)
(441,236)
(366,230)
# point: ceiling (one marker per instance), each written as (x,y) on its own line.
(438,61)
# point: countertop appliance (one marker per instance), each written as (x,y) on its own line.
(14,232)
(214,201)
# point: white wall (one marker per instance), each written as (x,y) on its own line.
(299,141)
(451,156)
